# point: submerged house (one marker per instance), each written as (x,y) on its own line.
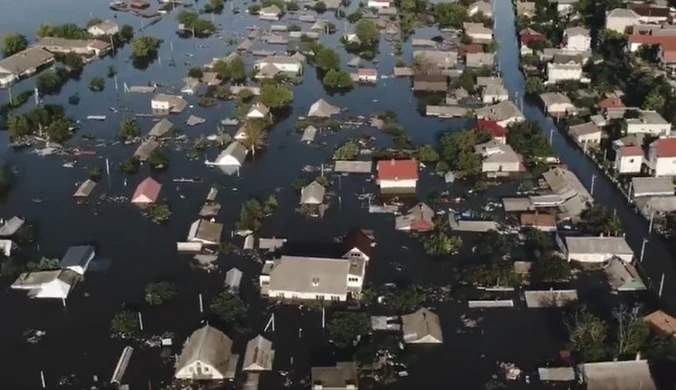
(322,109)
(47,284)
(144,150)
(23,64)
(421,327)
(77,258)
(397,174)
(146,192)
(161,128)
(259,355)
(418,218)
(234,155)
(312,193)
(85,189)
(207,355)
(206,232)
(342,376)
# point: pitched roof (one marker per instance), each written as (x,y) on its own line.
(492,127)
(598,245)
(665,147)
(336,377)
(85,189)
(310,275)
(207,345)
(235,150)
(77,256)
(649,10)
(661,321)
(161,128)
(622,13)
(260,107)
(621,375)
(630,150)
(420,324)
(397,169)
(323,109)
(20,62)
(357,238)
(259,354)
(147,190)
(577,30)
(312,193)
(611,101)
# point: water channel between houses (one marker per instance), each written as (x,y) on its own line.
(77,340)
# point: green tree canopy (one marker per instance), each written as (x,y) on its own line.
(160,292)
(327,58)
(450,14)
(337,79)
(588,335)
(528,139)
(97,84)
(125,324)
(275,95)
(347,151)
(367,31)
(13,43)
(457,150)
(229,307)
(549,269)
(129,129)
(345,327)
(144,46)
(439,243)
(597,220)
(534,86)
(237,69)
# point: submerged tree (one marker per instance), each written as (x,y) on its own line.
(13,43)
(125,325)
(129,129)
(158,293)
(345,327)
(229,308)
(588,335)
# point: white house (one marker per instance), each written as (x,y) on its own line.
(107,27)
(312,193)
(77,258)
(22,64)
(397,174)
(206,355)
(308,278)
(369,75)
(628,159)
(595,249)
(285,64)
(498,157)
(257,111)
(586,133)
(47,284)
(270,13)
(662,157)
(168,103)
(422,327)
(561,72)
(649,122)
(577,39)
(233,155)
(478,32)
(379,4)
(494,93)
(620,19)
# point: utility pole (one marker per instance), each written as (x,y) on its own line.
(645,241)
(650,226)
(201,304)
(593,181)
(661,285)
(551,136)
(140,321)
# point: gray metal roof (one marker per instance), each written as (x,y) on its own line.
(77,256)
(207,345)
(649,186)
(312,193)
(309,134)
(85,189)
(233,278)
(421,324)
(161,128)
(621,375)
(145,149)
(551,98)
(259,355)
(323,109)
(353,166)
(203,229)
(25,60)
(584,129)
(11,226)
(310,275)
(598,245)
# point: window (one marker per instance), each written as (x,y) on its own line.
(319,297)
(315,282)
(351,279)
(631,160)
(281,295)
(355,254)
(335,298)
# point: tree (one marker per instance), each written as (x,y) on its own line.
(237,69)
(292,6)
(222,68)
(450,14)
(345,327)
(124,325)
(73,61)
(250,215)
(347,151)
(438,243)
(549,269)
(254,9)
(144,46)
(255,135)
(229,307)
(111,71)
(129,129)
(270,204)
(536,240)
(158,159)
(320,6)
(126,33)
(158,293)
(48,82)
(13,43)
(654,101)
(355,16)
(492,245)
(337,79)
(327,58)
(18,126)
(195,73)
(534,86)
(597,220)
(528,139)
(588,334)
(426,154)
(129,166)
(367,31)
(632,331)
(492,46)
(457,150)
(275,95)
(216,5)
(59,130)
(404,300)
(467,81)
(97,84)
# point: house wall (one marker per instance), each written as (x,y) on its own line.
(284,67)
(500,167)
(7,79)
(664,166)
(564,9)
(54,289)
(649,128)
(397,183)
(589,138)
(481,36)
(620,24)
(597,257)
(229,160)
(368,78)
(652,19)
(628,164)
(578,43)
(509,121)
(491,99)
(306,295)
(560,108)
(555,73)
(355,281)
(160,105)
(198,369)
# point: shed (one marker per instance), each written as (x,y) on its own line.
(85,189)
(12,226)
(620,375)
(144,150)
(309,134)
(312,193)
(259,355)
(147,191)
(77,258)
(161,128)
(206,232)
(233,278)
(344,166)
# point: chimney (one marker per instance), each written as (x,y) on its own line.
(392,162)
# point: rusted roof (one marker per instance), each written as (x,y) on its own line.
(538,219)
(612,101)
(147,191)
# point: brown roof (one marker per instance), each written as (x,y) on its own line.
(538,219)
(356,238)
(472,48)
(430,82)
(661,321)
(631,150)
(668,51)
(649,10)
(609,102)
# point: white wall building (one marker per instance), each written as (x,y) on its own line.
(662,157)
(595,249)
(379,4)
(206,355)
(47,284)
(577,39)
(648,122)
(628,159)
(561,72)
(283,63)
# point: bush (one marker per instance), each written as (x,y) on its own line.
(195,73)
(97,84)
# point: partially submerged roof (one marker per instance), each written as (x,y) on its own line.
(422,326)
(144,150)
(339,376)
(235,150)
(147,191)
(598,245)
(323,109)
(77,256)
(85,189)
(309,134)
(25,60)
(161,128)
(310,274)
(621,375)
(259,355)
(206,345)
(32,280)
(233,278)
(344,166)
(203,230)
(312,193)
(12,226)
(556,374)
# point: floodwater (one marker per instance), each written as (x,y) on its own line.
(77,340)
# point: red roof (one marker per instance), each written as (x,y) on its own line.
(367,72)
(472,48)
(149,188)
(651,39)
(665,147)
(492,127)
(397,169)
(609,102)
(631,150)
